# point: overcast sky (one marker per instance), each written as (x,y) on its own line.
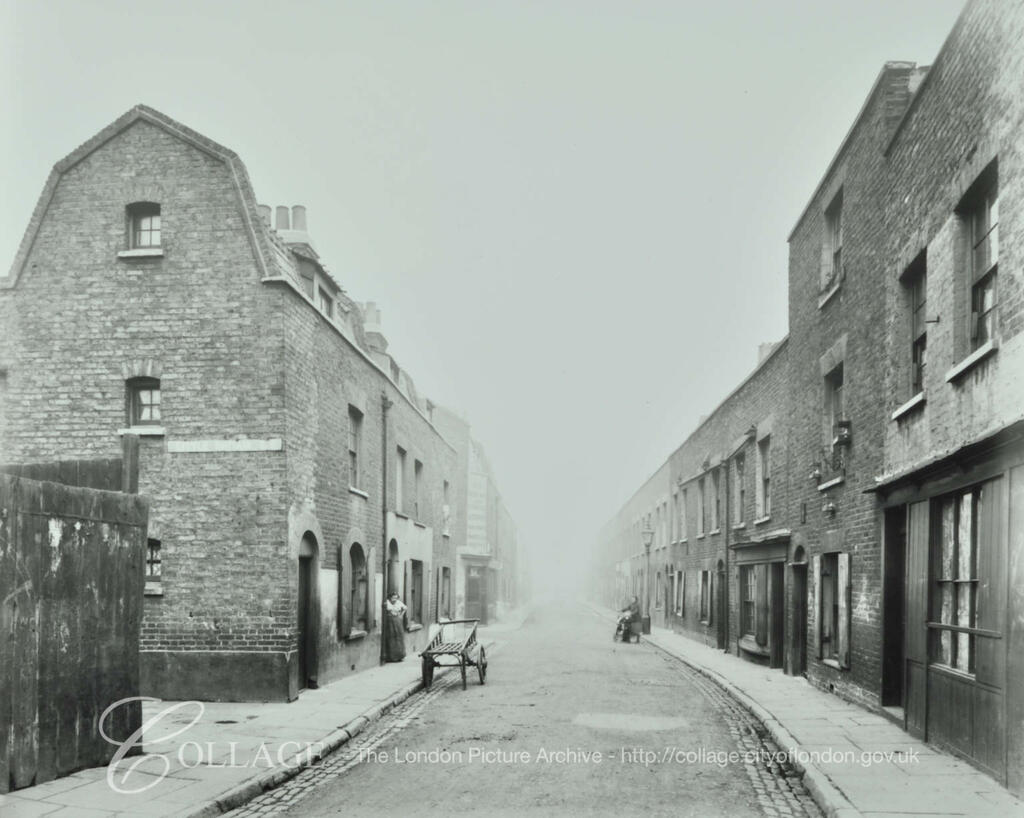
(572,214)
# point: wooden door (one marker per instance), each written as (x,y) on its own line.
(474,593)
(304,653)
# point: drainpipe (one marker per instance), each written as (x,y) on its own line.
(385,404)
(728,528)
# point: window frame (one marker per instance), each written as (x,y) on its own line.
(764,474)
(705,607)
(716,504)
(400,479)
(832,256)
(915,284)
(945,635)
(154,547)
(701,508)
(135,407)
(835,401)
(978,211)
(355,446)
(140,216)
(740,468)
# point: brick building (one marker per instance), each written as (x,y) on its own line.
(716,511)
(489,567)
(294,472)
(895,546)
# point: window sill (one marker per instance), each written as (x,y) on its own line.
(762,520)
(968,363)
(700,536)
(738,526)
(832,663)
(909,406)
(825,297)
(401,515)
(829,484)
(355,636)
(142,252)
(714,531)
(418,524)
(358,492)
(153,588)
(143,431)
(446,535)
(413,627)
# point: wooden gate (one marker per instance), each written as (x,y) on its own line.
(71,579)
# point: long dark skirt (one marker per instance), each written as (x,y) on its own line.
(394,639)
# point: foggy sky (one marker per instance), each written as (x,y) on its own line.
(573,215)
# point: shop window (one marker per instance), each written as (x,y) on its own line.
(954,591)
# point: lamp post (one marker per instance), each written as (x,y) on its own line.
(648,537)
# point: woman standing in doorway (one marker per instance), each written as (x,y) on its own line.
(394,628)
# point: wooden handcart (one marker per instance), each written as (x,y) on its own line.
(454,644)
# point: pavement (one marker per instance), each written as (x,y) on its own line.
(204,759)
(854,762)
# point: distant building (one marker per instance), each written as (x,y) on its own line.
(294,472)
(489,567)
(855,505)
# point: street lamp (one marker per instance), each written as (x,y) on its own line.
(648,537)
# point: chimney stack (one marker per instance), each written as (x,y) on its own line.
(283,218)
(299,218)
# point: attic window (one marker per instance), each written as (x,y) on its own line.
(325,302)
(144,221)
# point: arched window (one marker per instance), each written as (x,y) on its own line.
(359,588)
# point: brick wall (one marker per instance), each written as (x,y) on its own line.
(968,114)
(256,383)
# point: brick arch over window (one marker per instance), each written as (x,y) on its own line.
(141,368)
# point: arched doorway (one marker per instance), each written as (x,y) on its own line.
(798,636)
(307,611)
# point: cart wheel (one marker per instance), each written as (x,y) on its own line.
(428,672)
(481,665)
(462,667)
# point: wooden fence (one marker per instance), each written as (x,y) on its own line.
(71,578)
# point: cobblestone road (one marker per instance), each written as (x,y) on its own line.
(672,741)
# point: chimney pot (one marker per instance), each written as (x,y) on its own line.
(299,218)
(265,214)
(283,218)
